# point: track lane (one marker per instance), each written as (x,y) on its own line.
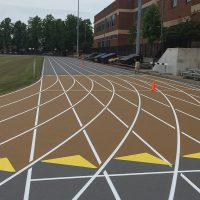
(112,187)
(179,155)
(120,120)
(183,132)
(175,175)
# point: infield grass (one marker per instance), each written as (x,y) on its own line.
(17,72)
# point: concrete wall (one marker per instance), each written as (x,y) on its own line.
(178,59)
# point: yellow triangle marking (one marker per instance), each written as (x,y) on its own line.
(76,160)
(194,155)
(144,158)
(5,165)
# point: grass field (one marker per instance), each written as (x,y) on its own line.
(17,72)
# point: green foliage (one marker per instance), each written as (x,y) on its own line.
(17,72)
(45,35)
(34,32)
(19,35)
(6,31)
(151,27)
(132,34)
(49,33)
(183,34)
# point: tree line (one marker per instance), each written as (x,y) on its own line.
(45,35)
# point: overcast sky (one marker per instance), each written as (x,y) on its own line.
(23,9)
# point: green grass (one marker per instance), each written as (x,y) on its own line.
(17,72)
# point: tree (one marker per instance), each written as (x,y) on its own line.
(49,33)
(35,32)
(6,32)
(86,34)
(19,35)
(183,34)
(71,31)
(60,36)
(151,27)
(132,34)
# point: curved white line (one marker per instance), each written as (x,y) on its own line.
(31,158)
(182,84)
(120,120)
(93,178)
(127,72)
(159,81)
(176,168)
(178,150)
(49,101)
(50,119)
(59,145)
(147,96)
(187,94)
(113,153)
(112,187)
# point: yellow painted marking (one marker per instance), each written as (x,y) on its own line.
(76,160)
(144,158)
(194,155)
(5,165)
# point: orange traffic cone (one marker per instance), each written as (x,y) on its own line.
(153,86)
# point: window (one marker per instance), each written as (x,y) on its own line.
(174,3)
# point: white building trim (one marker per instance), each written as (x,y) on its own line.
(117,32)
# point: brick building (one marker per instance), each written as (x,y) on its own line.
(111,25)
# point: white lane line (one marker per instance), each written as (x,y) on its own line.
(31,157)
(113,175)
(45,122)
(159,101)
(113,153)
(182,91)
(60,144)
(113,189)
(195,95)
(153,149)
(26,111)
(121,121)
(176,167)
(175,174)
(194,87)
(190,183)
(183,100)
(150,97)
(192,116)
(178,149)
(190,137)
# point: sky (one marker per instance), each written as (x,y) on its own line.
(23,9)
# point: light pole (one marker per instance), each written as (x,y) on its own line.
(77,49)
(85,31)
(138,27)
(162,22)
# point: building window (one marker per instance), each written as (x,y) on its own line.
(174,3)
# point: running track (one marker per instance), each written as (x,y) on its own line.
(91,131)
